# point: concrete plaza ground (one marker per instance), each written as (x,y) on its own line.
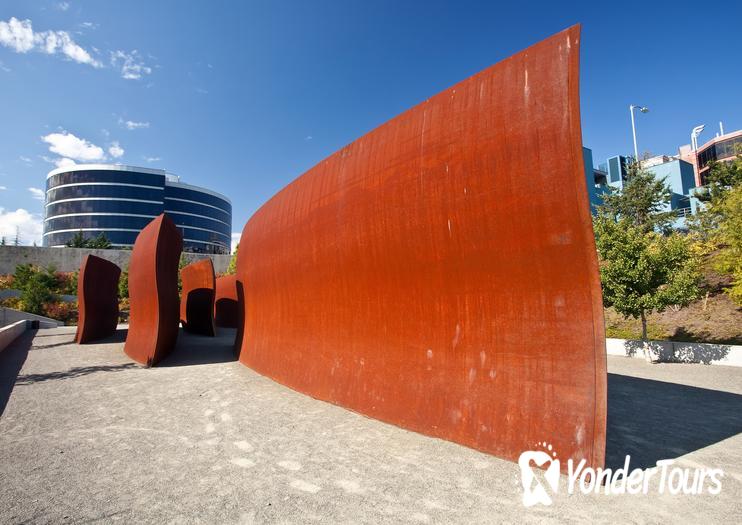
(86,435)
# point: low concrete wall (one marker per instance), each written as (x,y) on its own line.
(675,352)
(10,333)
(69,259)
(10,316)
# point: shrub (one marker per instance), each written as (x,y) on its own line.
(61,311)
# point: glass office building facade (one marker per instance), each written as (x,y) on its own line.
(119,201)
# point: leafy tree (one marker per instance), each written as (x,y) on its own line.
(728,260)
(718,224)
(232,268)
(36,286)
(644,271)
(643,202)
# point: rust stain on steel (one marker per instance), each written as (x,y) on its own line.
(440,273)
(97,299)
(226,307)
(153,292)
(197,298)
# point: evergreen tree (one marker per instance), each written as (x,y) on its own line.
(232,268)
(643,201)
(644,267)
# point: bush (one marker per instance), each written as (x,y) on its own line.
(124,284)
(66,283)
(6,282)
(61,311)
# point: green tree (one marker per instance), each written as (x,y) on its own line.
(643,272)
(37,286)
(642,202)
(182,263)
(78,241)
(100,242)
(728,238)
(232,268)
(124,284)
(718,224)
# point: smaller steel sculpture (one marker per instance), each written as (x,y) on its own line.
(226,307)
(97,299)
(197,298)
(153,292)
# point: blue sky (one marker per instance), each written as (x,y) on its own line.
(244,96)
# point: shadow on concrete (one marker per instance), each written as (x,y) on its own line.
(11,362)
(677,352)
(652,420)
(52,345)
(72,373)
(193,349)
(119,336)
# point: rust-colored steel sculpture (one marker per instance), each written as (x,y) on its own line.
(197,298)
(226,308)
(97,299)
(153,292)
(440,273)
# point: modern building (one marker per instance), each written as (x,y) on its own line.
(677,173)
(723,147)
(596,179)
(119,201)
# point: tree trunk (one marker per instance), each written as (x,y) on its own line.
(645,343)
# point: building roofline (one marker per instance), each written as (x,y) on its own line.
(137,169)
(719,139)
(105,167)
(198,188)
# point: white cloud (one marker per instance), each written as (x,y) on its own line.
(2,188)
(115,150)
(64,162)
(25,159)
(37,194)
(5,68)
(131,125)
(235,240)
(19,36)
(152,159)
(131,64)
(68,145)
(90,25)
(63,6)
(28,226)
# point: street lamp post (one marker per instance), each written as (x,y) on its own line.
(695,133)
(643,109)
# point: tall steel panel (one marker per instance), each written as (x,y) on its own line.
(153,292)
(440,273)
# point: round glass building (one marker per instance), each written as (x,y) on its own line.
(119,201)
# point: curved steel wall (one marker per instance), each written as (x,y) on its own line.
(119,201)
(440,272)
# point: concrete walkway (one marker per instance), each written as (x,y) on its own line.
(87,435)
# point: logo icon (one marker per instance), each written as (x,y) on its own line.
(531,463)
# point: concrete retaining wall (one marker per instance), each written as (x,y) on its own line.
(10,316)
(9,333)
(673,352)
(69,259)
